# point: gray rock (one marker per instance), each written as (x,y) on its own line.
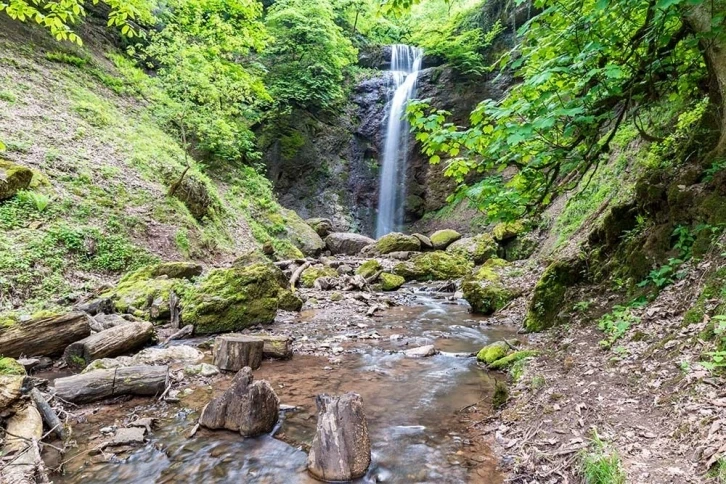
(129,436)
(202,369)
(323,226)
(347,243)
(421,352)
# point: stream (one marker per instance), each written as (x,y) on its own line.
(413,407)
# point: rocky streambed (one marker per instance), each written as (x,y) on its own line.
(417,407)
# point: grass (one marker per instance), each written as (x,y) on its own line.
(600,464)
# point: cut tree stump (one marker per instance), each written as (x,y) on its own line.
(44,336)
(108,343)
(341,449)
(247,407)
(100,384)
(232,352)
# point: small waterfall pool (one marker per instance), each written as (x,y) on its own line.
(405,66)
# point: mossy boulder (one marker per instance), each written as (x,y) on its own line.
(549,293)
(391,282)
(236,298)
(312,274)
(477,249)
(10,367)
(301,234)
(433,266)
(13,178)
(322,226)
(397,242)
(491,270)
(508,360)
(369,268)
(426,243)
(492,352)
(441,239)
(520,248)
(507,231)
(172,270)
(485,298)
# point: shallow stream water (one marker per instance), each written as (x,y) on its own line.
(412,407)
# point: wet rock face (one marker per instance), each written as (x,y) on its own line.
(250,408)
(341,449)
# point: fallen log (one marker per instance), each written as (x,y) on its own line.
(108,343)
(49,416)
(232,352)
(187,330)
(296,275)
(100,384)
(24,430)
(47,336)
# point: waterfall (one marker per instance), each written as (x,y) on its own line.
(405,66)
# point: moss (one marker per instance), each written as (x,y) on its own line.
(13,178)
(549,293)
(172,270)
(8,367)
(300,234)
(485,299)
(391,282)
(713,209)
(235,298)
(336,296)
(477,249)
(145,297)
(507,230)
(492,352)
(289,301)
(369,268)
(312,274)
(503,363)
(433,266)
(501,395)
(441,239)
(397,242)
(491,269)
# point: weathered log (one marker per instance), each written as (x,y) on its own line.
(232,352)
(279,347)
(11,388)
(24,429)
(296,275)
(49,416)
(341,449)
(108,343)
(247,407)
(100,384)
(46,336)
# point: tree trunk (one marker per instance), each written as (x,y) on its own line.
(250,408)
(341,449)
(44,336)
(100,384)
(233,352)
(108,343)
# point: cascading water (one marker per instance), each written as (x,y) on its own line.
(405,66)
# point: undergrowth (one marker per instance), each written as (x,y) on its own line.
(600,464)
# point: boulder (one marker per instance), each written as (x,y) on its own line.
(511,358)
(150,356)
(507,231)
(397,242)
(485,298)
(433,266)
(236,298)
(274,346)
(347,243)
(202,369)
(441,239)
(426,243)
(549,293)
(246,407)
(101,322)
(312,274)
(369,268)
(492,352)
(421,352)
(13,178)
(341,449)
(391,282)
(322,226)
(477,249)
(10,367)
(302,235)
(491,270)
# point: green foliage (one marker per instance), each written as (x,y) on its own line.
(601,465)
(307,58)
(718,165)
(65,58)
(616,323)
(39,200)
(667,274)
(716,360)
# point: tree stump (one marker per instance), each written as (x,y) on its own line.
(247,407)
(232,352)
(341,449)
(108,343)
(46,336)
(100,384)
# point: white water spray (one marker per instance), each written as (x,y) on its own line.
(405,66)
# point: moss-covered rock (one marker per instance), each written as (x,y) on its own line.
(391,282)
(549,293)
(503,363)
(492,352)
(322,226)
(369,268)
(491,270)
(441,239)
(485,298)
(236,298)
(507,231)
(397,242)
(501,395)
(312,274)
(195,193)
(301,234)
(13,178)
(433,266)
(172,270)
(10,367)
(477,249)
(288,301)
(519,248)
(426,243)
